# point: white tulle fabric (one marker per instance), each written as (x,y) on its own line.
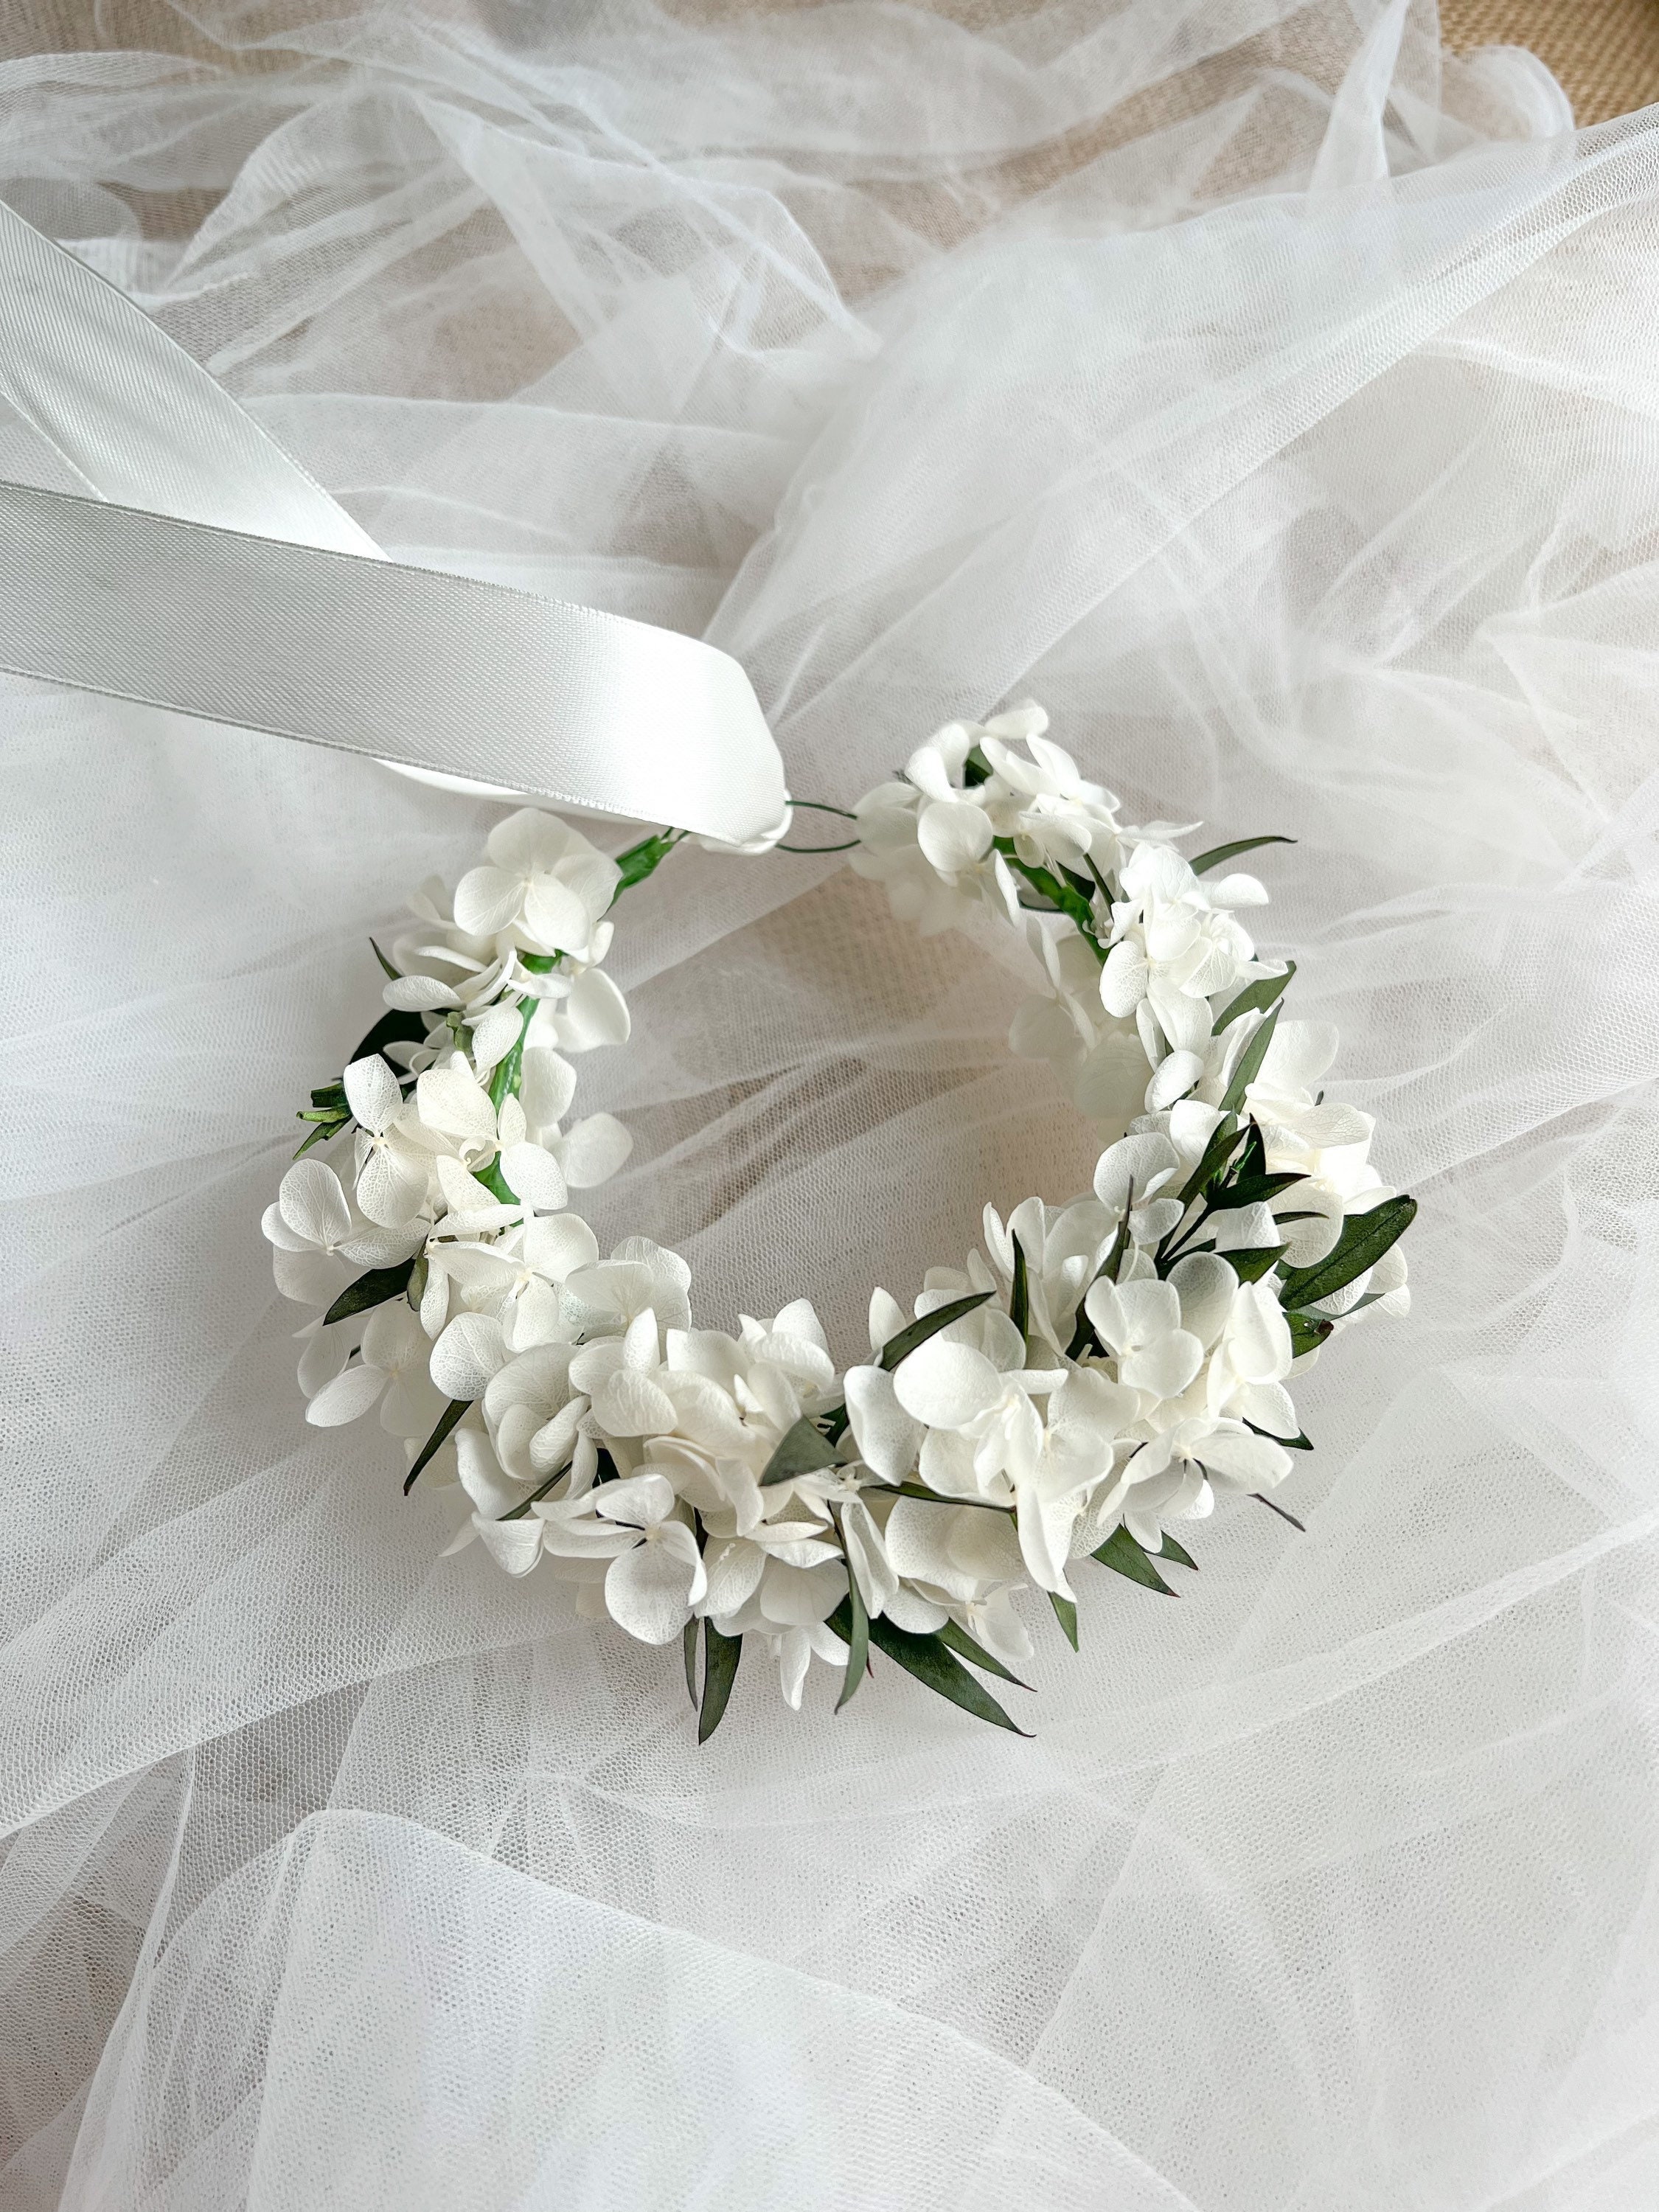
(1279,403)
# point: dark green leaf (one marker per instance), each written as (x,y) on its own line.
(721,1654)
(1365,1237)
(1216,1154)
(933,1663)
(1101,883)
(907,1339)
(689,1645)
(1249,1063)
(965,1647)
(836,1422)
(1065,1614)
(976,769)
(1019,1300)
(1253,1190)
(1171,1550)
(374,1289)
(446,1420)
(1299,1526)
(858,1640)
(521,1511)
(1084,1338)
(803,1450)
(394,973)
(1308,1332)
(938,1497)
(1250,1265)
(1255,998)
(1217,854)
(397,1027)
(319,1137)
(1125,1557)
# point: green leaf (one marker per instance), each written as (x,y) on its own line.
(937,1497)
(1084,1338)
(395,974)
(1252,1264)
(1308,1332)
(1060,894)
(1083,1334)
(374,1289)
(397,1027)
(1065,1614)
(319,1137)
(1253,1190)
(1217,854)
(521,1511)
(1019,1300)
(540,963)
(1249,1064)
(902,1345)
(858,1639)
(1125,1557)
(721,1654)
(1171,1550)
(965,1647)
(976,769)
(1365,1237)
(1216,1154)
(933,1663)
(802,1450)
(1255,997)
(689,1645)
(446,1420)
(642,859)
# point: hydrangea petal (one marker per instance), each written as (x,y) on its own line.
(648,1592)
(347,1398)
(946,1385)
(313,1204)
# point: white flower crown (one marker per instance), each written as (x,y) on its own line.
(1097,1373)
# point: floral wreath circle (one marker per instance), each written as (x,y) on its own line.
(1088,1382)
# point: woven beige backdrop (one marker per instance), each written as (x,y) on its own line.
(1606,52)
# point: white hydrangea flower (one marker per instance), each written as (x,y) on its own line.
(394,1170)
(1056,817)
(1175,943)
(320,1237)
(392,1374)
(543,886)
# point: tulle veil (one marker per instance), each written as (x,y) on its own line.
(1272,395)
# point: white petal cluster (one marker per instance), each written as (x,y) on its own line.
(941,843)
(450,1156)
(1094,1377)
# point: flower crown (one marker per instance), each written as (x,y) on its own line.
(1087,1383)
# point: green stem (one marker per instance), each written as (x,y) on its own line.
(508,1072)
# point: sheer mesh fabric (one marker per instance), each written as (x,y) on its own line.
(1272,397)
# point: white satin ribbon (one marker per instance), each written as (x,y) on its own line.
(205,572)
